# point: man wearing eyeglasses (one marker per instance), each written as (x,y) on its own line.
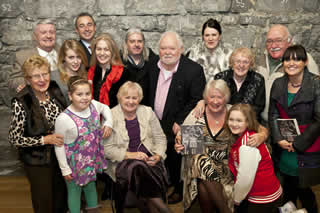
(44,35)
(270,64)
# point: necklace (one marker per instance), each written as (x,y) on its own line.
(295,85)
(43,99)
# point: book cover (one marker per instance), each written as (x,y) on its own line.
(289,128)
(192,139)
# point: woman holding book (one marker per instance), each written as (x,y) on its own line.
(207,174)
(297,95)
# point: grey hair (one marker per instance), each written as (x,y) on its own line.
(125,51)
(178,37)
(286,30)
(45,21)
(220,85)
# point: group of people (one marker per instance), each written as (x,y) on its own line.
(89,107)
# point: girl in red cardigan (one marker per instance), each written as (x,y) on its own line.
(252,167)
(106,73)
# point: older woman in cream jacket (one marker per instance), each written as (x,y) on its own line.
(136,151)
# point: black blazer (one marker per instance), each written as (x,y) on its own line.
(185,91)
(87,53)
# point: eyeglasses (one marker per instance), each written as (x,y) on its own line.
(39,76)
(245,62)
(276,41)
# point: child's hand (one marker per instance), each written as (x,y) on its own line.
(68,178)
(106,131)
(90,81)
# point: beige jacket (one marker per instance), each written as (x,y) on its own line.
(151,136)
(269,77)
(16,77)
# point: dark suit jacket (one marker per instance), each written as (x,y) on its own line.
(185,91)
(87,53)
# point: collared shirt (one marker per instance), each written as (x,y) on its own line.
(51,56)
(87,45)
(164,81)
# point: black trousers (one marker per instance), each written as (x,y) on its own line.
(293,192)
(48,189)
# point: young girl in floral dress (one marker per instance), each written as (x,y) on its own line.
(82,156)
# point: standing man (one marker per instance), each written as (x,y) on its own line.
(137,58)
(86,29)
(44,35)
(176,84)
(270,64)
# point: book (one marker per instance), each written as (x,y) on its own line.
(288,128)
(192,139)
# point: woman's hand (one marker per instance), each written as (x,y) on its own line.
(54,139)
(153,160)
(199,109)
(175,128)
(284,144)
(106,131)
(136,155)
(256,139)
(68,178)
(178,146)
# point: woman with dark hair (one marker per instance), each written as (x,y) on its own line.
(297,95)
(210,52)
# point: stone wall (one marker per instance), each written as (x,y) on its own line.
(244,22)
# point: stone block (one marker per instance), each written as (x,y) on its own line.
(311,5)
(240,36)
(152,40)
(206,6)
(160,7)
(241,6)
(17,31)
(276,5)
(10,8)
(314,40)
(229,20)
(111,7)
(145,23)
(253,20)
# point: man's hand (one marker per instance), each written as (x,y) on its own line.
(175,128)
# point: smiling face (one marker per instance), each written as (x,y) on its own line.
(45,36)
(130,101)
(211,38)
(294,67)
(277,42)
(72,61)
(103,53)
(237,122)
(39,79)
(241,65)
(169,50)
(80,97)
(135,44)
(86,28)
(216,101)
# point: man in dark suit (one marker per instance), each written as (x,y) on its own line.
(176,84)
(86,29)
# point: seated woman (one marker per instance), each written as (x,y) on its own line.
(72,61)
(256,187)
(208,174)
(297,95)
(34,111)
(106,73)
(246,85)
(136,151)
(210,52)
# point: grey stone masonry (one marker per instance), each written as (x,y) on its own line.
(244,23)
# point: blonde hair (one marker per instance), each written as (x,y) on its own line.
(249,114)
(129,85)
(115,54)
(246,52)
(220,85)
(34,61)
(74,45)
